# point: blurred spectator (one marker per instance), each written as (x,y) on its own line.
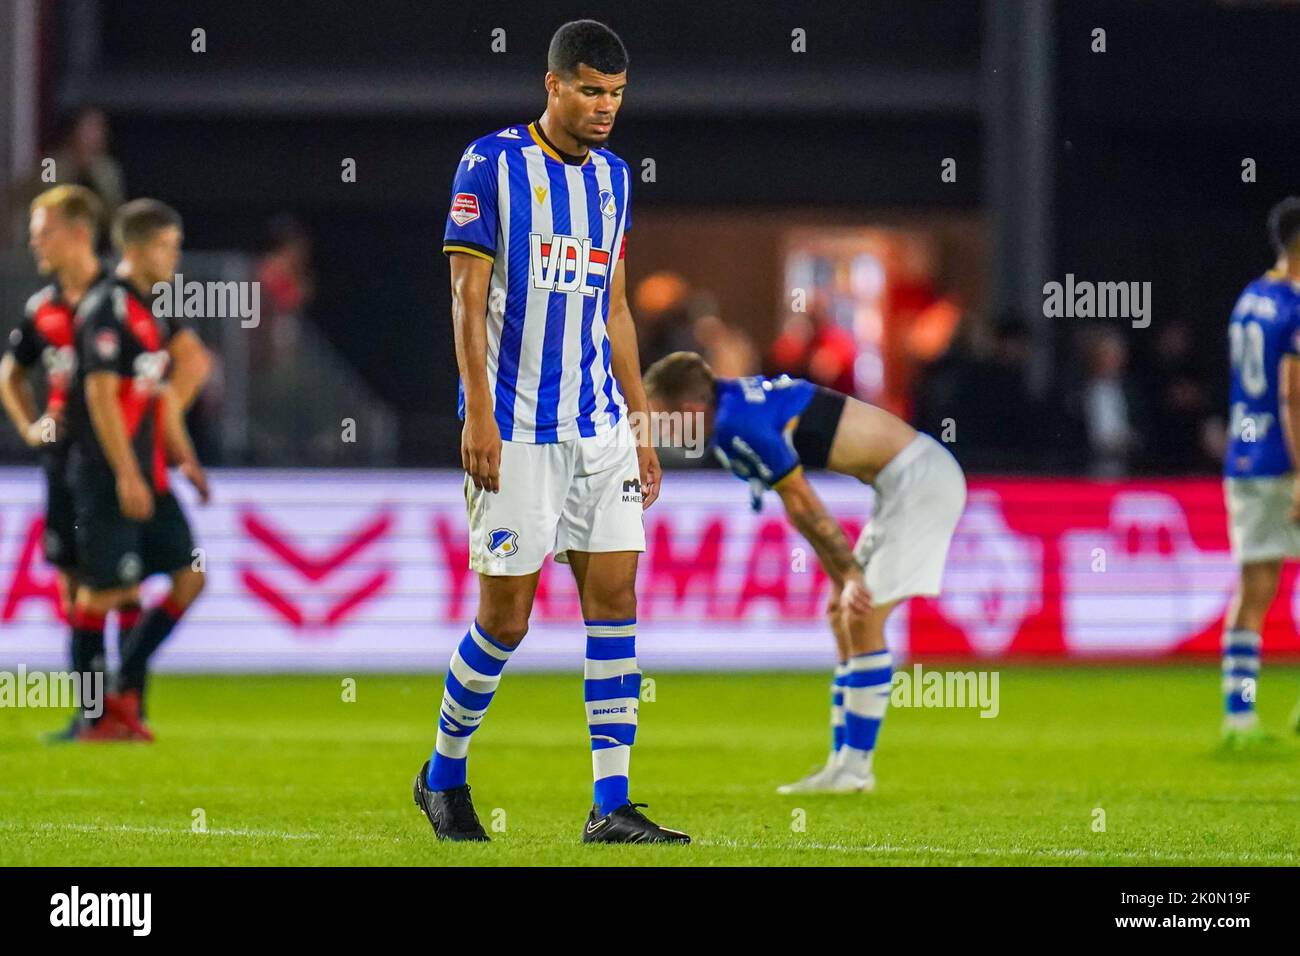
(813,346)
(729,351)
(983,401)
(287,288)
(1108,404)
(1180,403)
(661,304)
(283,427)
(81,158)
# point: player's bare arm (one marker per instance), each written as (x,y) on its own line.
(176,439)
(480,438)
(191,366)
(1289,410)
(625,361)
(824,533)
(16,395)
(110,428)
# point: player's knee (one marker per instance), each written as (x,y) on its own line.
(187,585)
(505,624)
(598,605)
(1257,592)
(99,601)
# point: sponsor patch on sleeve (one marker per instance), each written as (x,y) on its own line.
(464,208)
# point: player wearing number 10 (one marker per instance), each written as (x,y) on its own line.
(1261,486)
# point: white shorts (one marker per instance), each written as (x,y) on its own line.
(1258,526)
(583,494)
(919,499)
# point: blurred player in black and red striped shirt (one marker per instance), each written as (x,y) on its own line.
(64,225)
(136,374)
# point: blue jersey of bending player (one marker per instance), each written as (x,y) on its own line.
(755,432)
(1265,327)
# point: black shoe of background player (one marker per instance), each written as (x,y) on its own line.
(627,824)
(68,734)
(450,811)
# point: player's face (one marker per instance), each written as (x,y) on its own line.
(158,257)
(53,239)
(586,104)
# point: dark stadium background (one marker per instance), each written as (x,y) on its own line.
(1090,576)
(1123,165)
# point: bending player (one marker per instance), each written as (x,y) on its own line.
(549,370)
(767,431)
(127,422)
(1261,487)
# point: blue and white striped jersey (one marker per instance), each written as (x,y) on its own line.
(554,233)
(1265,326)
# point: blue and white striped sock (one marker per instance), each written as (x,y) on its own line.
(612,689)
(866,698)
(837,707)
(471,681)
(1240,671)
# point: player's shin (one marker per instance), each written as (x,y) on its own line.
(87,641)
(1240,667)
(866,698)
(612,689)
(837,708)
(140,643)
(472,680)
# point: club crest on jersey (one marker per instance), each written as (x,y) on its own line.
(464,208)
(566,264)
(106,344)
(608,208)
(503,542)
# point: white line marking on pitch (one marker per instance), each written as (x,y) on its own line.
(160,831)
(1008,851)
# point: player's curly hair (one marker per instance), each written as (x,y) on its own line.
(1284,224)
(679,377)
(589,42)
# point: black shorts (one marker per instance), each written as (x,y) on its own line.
(60,539)
(116,552)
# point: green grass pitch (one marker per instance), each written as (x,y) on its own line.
(287,773)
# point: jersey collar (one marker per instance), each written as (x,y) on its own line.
(535,131)
(99,277)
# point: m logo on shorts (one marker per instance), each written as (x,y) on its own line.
(129,568)
(632,489)
(503,542)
